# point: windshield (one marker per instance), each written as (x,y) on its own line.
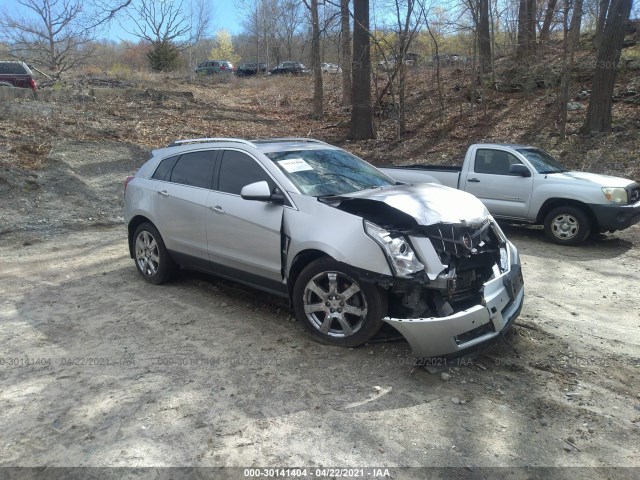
(328,172)
(542,161)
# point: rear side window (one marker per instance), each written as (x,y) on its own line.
(238,170)
(12,68)
(194,169)
(163,171)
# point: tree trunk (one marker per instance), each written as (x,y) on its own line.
(318,99)
(526,27)
(548,17)
(602,16)
(571,43)
(484,37)
(599,110)
(345,48)
(361,113)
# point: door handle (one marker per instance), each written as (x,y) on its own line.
(473,180)
(217,209)
(163,193)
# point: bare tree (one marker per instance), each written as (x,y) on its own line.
(345,51)
(408,22)
(318,93)
(570,44)
(289,21)
(526,27)
(166,26)
(603,6)
(480,12)
(52,33)
(260,21)
(546,24)
(599,110)
(361,112)
(484,37)
(159,22)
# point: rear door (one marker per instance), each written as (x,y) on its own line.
(182,185)
(488,178)
(243,236)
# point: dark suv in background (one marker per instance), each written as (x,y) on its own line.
(248,69)
(16,74)
(290,68)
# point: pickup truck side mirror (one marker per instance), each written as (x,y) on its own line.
(519,169)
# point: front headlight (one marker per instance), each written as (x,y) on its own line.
(615,194)
(397,249)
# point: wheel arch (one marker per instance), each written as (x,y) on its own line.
(301,260)
(134,223)
(552,203)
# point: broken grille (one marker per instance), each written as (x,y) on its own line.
(458,240)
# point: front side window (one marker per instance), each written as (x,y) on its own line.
(237,170)
(495,162)
(328,172)
(194,169)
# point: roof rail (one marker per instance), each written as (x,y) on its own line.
(176,143)
(289,139)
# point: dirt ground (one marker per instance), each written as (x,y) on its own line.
(98,368)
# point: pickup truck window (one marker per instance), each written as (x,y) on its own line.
(496,162)
(542,161)
(328,172)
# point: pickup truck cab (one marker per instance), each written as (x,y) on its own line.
(520,183)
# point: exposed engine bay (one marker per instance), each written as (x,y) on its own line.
(460,258)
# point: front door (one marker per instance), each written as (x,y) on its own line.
(504,194)
(243,236)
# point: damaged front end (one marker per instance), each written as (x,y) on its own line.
(476,296)
(456,284)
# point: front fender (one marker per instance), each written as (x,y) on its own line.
(316,226)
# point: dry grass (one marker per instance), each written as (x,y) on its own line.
(280,107)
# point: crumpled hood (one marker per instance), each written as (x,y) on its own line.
(428,203)
(591,178)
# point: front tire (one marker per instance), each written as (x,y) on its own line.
(152,259)
(567,225)
(334,307)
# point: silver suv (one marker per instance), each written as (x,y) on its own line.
(349,246)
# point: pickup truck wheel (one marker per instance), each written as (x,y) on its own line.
(334,307)
(567,225)
(153,262)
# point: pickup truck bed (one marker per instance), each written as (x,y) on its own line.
(446,175)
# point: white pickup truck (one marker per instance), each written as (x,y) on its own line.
(524,184)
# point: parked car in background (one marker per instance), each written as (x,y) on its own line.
(213,67)
(248,69)
(348,246)
(519,183)
(291,68)
(330,68)
(14,73)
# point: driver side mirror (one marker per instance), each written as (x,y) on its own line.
(519,169)
(260,191)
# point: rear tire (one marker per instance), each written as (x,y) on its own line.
(152,259)
(567,225)
(335,307)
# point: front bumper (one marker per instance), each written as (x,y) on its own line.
(437,336)
(616,217)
